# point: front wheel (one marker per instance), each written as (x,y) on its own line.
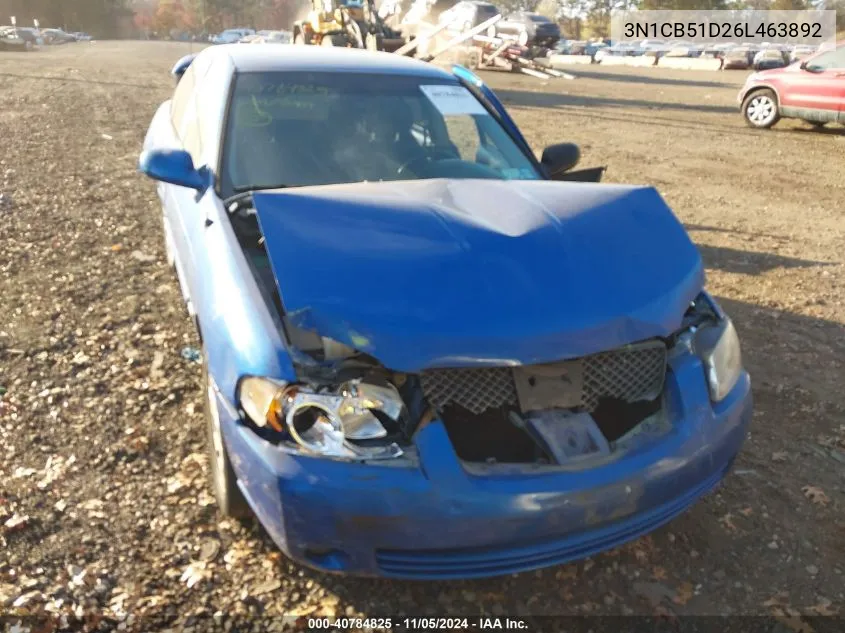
(760,109)
(230,499)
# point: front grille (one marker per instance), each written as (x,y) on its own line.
(475,390)
(632,373)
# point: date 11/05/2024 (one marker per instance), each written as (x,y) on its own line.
(416,624)
(717,30)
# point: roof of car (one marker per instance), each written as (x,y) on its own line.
(275,57)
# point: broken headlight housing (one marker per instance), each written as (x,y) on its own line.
(717,344)
(342,422)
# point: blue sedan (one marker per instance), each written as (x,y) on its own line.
(428,354)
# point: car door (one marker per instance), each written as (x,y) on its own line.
(815,90)
(838,82)
(170,194)
(181,205)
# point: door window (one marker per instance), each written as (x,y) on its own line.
(181,97)
(185,107)
(191,139)
(463,133)
(831,60)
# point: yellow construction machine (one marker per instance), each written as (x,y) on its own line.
(348,23)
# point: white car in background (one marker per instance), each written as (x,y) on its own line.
(801,51)
(268,37)
(230,36)
(651,45)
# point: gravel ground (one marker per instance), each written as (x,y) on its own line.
(104,507)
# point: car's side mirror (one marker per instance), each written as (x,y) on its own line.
(173,166)
(181,66)
(560,158)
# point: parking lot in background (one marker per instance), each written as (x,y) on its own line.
(89,304)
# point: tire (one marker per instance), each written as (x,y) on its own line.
(224,483)
(760,109)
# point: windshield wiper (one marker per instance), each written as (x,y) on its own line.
(244,194)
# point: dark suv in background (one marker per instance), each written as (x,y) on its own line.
(529,29)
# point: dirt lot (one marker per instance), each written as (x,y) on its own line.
(104,506)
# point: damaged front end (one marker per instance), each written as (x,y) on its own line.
(356,420)
(547,320)
(553,413)
(344,405)
(576,412)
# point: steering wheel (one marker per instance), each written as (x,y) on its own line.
(406,167)
(440,153)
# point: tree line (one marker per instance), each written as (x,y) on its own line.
(93,16)
(211,16)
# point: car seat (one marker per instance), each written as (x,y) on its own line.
(279,152)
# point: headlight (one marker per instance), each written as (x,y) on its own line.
(330,422)
(718,347)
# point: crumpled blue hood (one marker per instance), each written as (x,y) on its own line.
(456,273)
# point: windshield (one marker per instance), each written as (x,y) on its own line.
(317,128)
(538,18)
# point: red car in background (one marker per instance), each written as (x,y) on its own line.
(812,89)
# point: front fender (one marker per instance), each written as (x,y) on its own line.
(757,82)
(240,332)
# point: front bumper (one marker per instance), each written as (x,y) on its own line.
(440,520)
